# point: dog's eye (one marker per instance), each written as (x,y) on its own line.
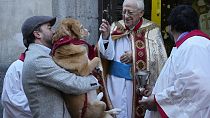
(49,27)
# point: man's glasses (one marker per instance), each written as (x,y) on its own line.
(129,13)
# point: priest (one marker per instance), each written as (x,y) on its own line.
(128,46)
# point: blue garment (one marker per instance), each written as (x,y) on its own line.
(120,70)
(182,35)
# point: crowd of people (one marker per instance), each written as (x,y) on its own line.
(176,87)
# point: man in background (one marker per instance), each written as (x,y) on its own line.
(13,97)
(182,89)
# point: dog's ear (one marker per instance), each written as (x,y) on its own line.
(66,30)
(76,28)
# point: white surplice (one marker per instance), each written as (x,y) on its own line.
(116,86)
(13,97)
(183,86)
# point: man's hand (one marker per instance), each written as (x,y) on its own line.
(105,29)
(126,57)
(149,103)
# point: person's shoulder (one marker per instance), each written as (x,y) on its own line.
(15,66)
(148,23)
(34,53)
(119,23)
(199,41)
(16,63)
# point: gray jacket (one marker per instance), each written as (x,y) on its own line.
(43,80)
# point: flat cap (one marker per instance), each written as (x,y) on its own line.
(32,23)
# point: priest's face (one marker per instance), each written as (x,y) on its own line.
(131,13)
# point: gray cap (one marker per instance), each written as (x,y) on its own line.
(32,23)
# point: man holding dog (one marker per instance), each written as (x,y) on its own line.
(43,80)
(135,44)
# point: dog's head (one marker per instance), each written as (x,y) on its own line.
(70,27)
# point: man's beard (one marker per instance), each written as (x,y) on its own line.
(48,40)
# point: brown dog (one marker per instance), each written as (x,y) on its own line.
(70,52)
(73,57)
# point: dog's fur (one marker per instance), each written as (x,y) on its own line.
(74,59)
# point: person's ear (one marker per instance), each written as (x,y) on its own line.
(37,34)
(141,13)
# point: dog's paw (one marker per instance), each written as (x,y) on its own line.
(100,96)
(114,111)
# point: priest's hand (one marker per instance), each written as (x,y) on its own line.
(149,103)
(126,57)
(147,91)
(105,29)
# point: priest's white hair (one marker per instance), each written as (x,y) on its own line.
(140,3)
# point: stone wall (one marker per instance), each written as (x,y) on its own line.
(84,10)
(13,13)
